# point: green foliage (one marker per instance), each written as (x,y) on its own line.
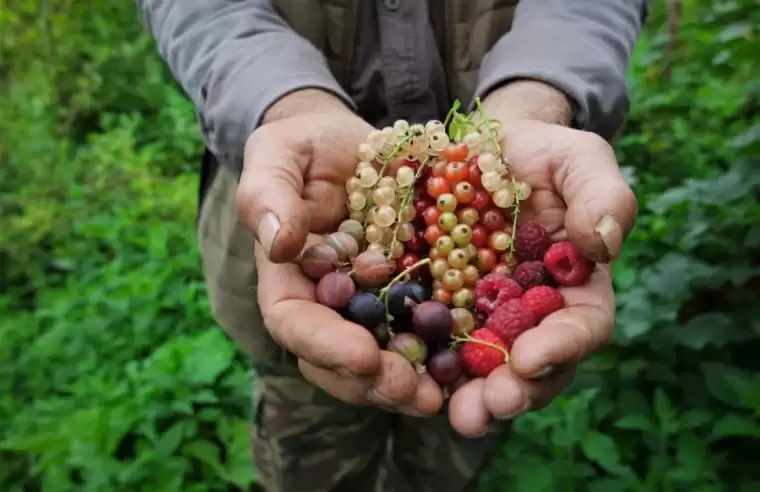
(114,377)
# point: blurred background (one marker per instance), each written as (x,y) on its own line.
(113,376)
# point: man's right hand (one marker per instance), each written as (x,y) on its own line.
(293,187)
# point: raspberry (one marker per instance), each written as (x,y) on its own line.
(566,264)
(543,301)
(531,242)
(480,359)
(510,320)
(494,290)
(530,274)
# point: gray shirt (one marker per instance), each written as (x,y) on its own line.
(236,58)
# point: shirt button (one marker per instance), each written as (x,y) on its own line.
(392,4)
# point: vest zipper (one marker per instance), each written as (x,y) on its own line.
(447,57)
(349,41)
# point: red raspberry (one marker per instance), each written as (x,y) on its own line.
(480,359)
(494,290)
(566,264)
(530,274)
(543,301)
(510,320)
(531,242)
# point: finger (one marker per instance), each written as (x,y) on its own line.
(396,385)
(467,412)
(268,196)
(506,395)
(601,207)
(311,331)
(570,334)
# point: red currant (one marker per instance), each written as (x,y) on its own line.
(502,269)
(492,219)
(421,205)
(481,201)
(442,295)
(456,172)
(485,260)
(437,186)
(416,245)
(473,174)
(464,192)
(408,260)
(479,235)
(431,215)
(456,151)
(439,169)
(433,233)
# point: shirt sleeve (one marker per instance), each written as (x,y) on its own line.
(234,59)
(581,47)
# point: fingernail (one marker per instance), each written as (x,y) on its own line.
(266,232)
(611,234)
(411,412)
(542,373)
(511,416)
(377,399)
(485,431)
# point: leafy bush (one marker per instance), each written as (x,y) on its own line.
(114,377)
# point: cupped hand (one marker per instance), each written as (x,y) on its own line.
(293,187)
(578,193)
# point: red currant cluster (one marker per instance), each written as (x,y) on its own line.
(431,258)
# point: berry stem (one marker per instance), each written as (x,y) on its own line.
(400,276)
(491,132)
(454,108)
(468,338)
(406,200)
(515,214)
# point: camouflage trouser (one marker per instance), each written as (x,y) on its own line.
(303,439)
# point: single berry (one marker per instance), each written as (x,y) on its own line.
(531,242)
(319,260)
(455,152)
(404,296)
(445,366)
(344,244)
(510,320)
(365,309)
(409,346)
(335,289)
(494,290)
(530,274)
(432,321)
(480,359)
(566,264)
(543,301)
(372,269)
(464,321)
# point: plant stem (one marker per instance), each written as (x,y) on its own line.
(491,132)
(405,200)
(468,338)
(397,278)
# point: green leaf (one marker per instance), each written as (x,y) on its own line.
(664,411)
(694,418)
(170,440)
(734,425)
(602,450)
(634,422)
(212,353)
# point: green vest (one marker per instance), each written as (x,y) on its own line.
(472,28)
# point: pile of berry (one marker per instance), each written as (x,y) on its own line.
(432,259)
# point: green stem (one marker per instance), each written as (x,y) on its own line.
(406,200)
(515,214)
(454,108)
(487,123)
(397,278)
(468,338)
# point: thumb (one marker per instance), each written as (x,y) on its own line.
(268,198)
(601,207)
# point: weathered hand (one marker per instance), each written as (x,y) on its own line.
(293,184)
(580,194)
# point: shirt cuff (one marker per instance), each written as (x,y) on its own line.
(247,82)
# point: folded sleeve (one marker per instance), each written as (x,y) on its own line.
(581,47)
(234,59)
